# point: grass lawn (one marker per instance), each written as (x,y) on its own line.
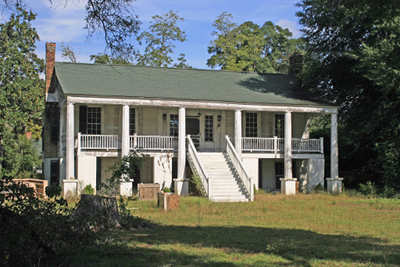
(275,230)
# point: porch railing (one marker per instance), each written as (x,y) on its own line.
(153,142)
(308,145)
(238,165)
(98,141)
(277,145)
(197,166)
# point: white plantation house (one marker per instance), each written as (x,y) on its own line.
(236,131)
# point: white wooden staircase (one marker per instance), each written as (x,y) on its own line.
(225,186)
(223,175)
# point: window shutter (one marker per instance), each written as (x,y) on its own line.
(83,119)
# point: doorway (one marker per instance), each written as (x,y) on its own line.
(193,129)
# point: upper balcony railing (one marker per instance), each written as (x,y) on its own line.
(153,143)
(277,145)
(98,142)
(170,143)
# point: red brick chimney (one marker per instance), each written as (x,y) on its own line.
(50,60)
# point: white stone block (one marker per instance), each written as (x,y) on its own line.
(288,186)
(70,187)
(181,187)
(335,185)
(126,188)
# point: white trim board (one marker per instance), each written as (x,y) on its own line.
(198,104)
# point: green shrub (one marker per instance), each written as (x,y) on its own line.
(196,186)
(88,190)
(53,191)
(126,168)
(35,230)
(318,189)
(166,190)
(368,189)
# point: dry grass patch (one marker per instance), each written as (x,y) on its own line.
(275,230)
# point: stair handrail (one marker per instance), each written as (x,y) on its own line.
(238,165)
(194,157)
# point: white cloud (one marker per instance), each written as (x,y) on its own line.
(60,29)
(65,6)
(291,25)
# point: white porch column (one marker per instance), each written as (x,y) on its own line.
(288,183)
(69,158)
(125,131)
(288,145)
(238,131)
(61,142)
(334,183)
(334,147)
(181,143)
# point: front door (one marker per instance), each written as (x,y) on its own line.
(193,129)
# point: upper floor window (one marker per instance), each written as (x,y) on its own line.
(132,121)
(209,129)
(279,125)
(93,120)
(251,129)
(173,125)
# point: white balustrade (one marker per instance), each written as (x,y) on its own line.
(153,142)
(98,141)
(276,145)
(196,165)
(238,165)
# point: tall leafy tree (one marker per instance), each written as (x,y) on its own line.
(21,94)
(250,47)
(159,41)
(354,60)
(114,19)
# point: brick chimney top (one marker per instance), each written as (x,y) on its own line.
(50,60)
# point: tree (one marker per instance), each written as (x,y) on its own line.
(115,19)
(107,59)
(249,47)
(68,53)
(182,62)
(160,40)
(353,60)
(21,95)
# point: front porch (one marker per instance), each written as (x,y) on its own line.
(159,132)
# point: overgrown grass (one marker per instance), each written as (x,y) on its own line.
(275,230)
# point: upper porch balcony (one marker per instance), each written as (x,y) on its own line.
(156,143)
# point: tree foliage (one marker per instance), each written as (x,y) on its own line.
(115,19)
(107,59)
(353,60)
(21,95)
(68,53)
(160,40)
(250,47)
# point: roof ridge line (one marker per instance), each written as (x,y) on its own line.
(168,68)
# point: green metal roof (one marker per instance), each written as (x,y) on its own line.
(178,84)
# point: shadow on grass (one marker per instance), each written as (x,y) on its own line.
(298,247)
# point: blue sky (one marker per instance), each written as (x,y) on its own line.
(63,22)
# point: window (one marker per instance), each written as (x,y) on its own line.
(132,121)
(209,129)
(54,172)
(173,125)
(251,124)
(93,120)
(279,125)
